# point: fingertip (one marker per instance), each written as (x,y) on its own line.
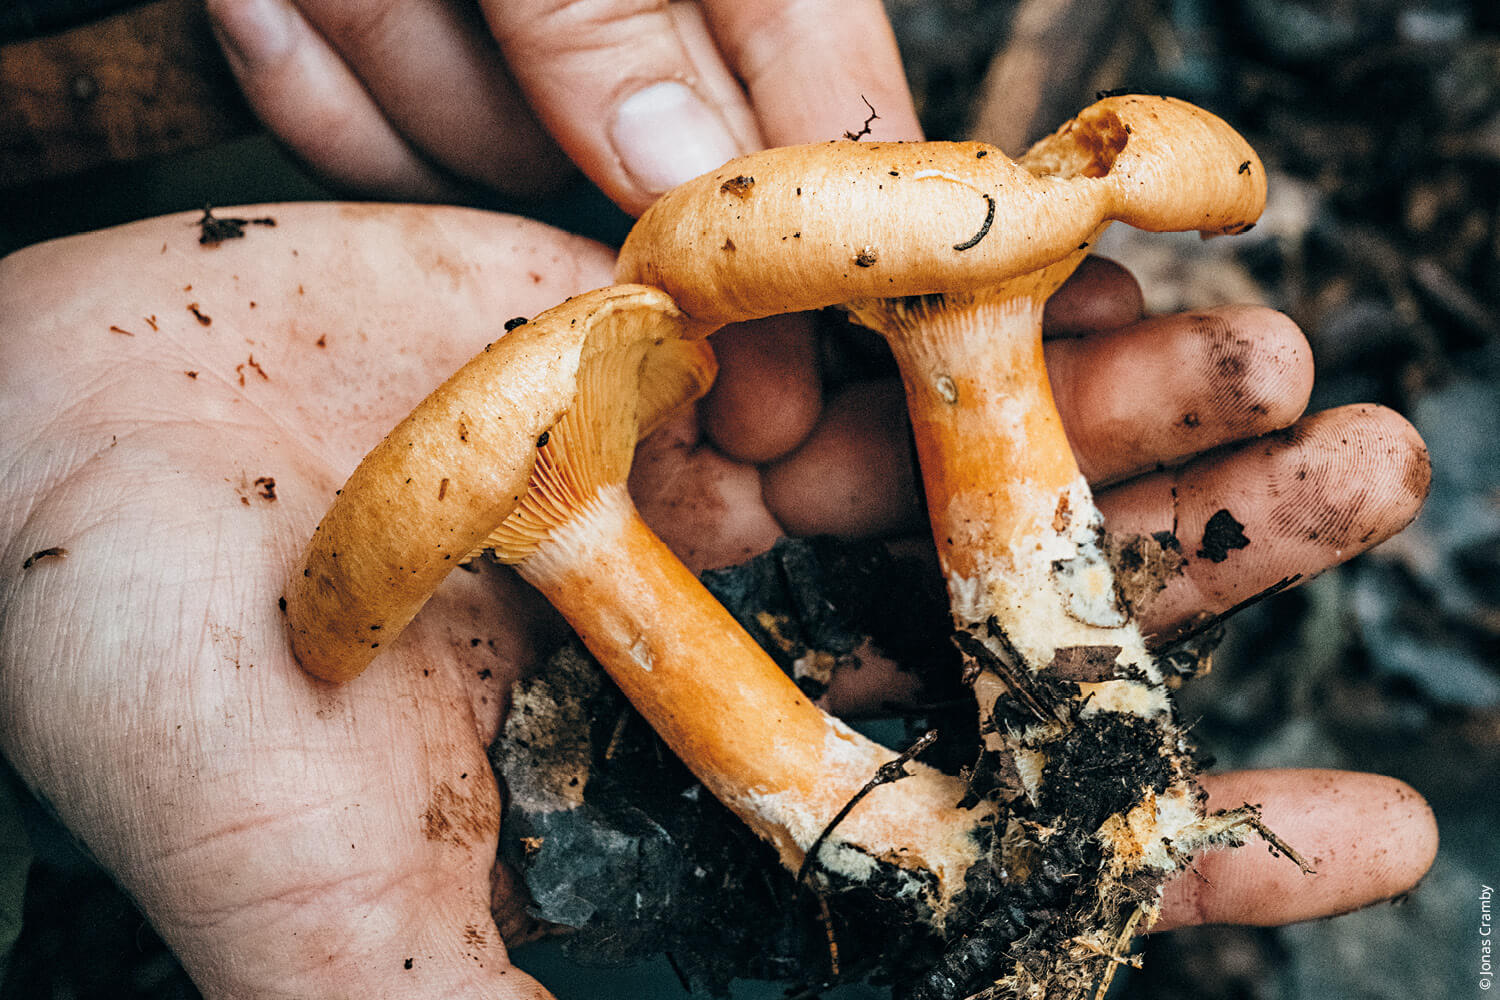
(854,474)
(1367,838)
(1183,384)
(1286,506)
(1100,295)
(815,71)
(1422,832)
(1391,835)
(1273,379)
(1406,472)
(1347,479)
(254,34)
(311,99)
(627,90)
(663,135)
(767,397)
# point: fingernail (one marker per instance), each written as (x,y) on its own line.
(253,32)
(667,134)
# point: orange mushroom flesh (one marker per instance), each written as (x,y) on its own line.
(950,250)
(739,723)
(613,364)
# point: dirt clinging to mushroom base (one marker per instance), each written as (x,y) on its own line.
(622,845)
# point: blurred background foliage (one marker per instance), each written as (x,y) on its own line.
(1379,124)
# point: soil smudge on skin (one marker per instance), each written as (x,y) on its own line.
(252,365)
(1221,535)
(1143,565)
(53,552)
(455,818)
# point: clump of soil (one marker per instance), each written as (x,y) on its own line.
(617,842)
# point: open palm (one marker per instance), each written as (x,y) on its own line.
(178,417)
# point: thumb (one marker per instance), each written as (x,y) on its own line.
(628,88)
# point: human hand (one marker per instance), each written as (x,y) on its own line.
(289,838)
(405,99)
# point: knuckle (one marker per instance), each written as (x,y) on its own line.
(569,25)
(370,25)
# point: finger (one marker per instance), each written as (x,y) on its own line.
(717,82)
(436,74)
(706,507)
(854,475)
(767,396)
(810,68)
(1157,391)
(1330,487)
(1286,506)
(1147,394)
(1367,838)
(615,84)
(1100,295)
(314,104)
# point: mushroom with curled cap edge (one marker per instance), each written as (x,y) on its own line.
(950,250)
(575,388)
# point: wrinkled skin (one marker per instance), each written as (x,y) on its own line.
(289,838)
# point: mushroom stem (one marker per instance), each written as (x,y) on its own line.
(1017,532)
(736,720)
(1060,671)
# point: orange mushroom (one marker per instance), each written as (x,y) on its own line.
(950,250)
(591,373)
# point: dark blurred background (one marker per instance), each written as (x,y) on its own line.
(1379,124)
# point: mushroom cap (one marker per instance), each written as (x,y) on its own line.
(428,494)
(804,227)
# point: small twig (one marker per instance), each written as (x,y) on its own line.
(982,656)
(864,129)
(833,941)
(1169,645)
(617,735)
(891,771)
(1116,954)
(1278,844)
